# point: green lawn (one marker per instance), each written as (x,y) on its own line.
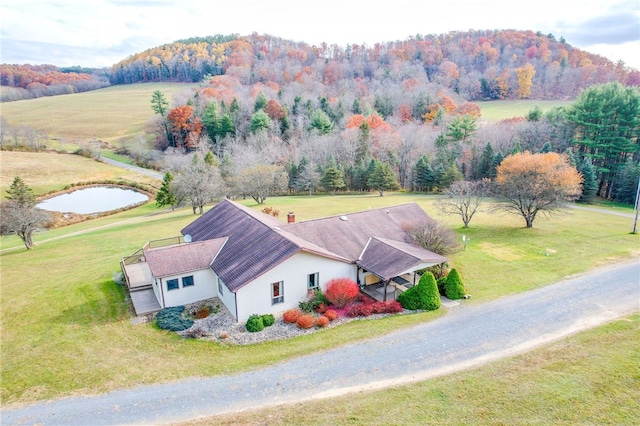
(66,326)
(592,378)
(500,110)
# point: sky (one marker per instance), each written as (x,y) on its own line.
(100,33)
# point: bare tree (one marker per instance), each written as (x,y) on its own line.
(308,178)
(262,181)
(199,184)
(436,237)
(463,198)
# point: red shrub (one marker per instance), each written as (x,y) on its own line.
(379,307)
(291,316)
(331,314)
(305,321)
(341,291)
(394,307)
(322,308)
(322,321)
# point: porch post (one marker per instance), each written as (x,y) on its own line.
(384,298)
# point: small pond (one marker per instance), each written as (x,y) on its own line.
(95,199)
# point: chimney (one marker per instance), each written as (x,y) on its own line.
(291,217)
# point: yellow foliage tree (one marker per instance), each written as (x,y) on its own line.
(525,75)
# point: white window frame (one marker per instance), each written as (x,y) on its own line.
(316,281)
(193,281)
(277,297)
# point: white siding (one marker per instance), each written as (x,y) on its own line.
(205,287)
(255,297)
(157,290)
(228,298)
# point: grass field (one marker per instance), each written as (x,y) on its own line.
(107,114)
(499,110)
(66,326)
(588,379)
(46,172)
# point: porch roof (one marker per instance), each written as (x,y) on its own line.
(387,258)
(178,259)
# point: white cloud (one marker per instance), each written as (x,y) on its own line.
(94,33)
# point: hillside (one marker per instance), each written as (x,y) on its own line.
(476,65)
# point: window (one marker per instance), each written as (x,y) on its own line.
(277,294)
(312,281)
(173,284)
(187,281)
(220,287)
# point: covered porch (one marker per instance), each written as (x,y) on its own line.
(390,268)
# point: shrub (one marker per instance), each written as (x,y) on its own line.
(291,316)
(341,291)
(322,321)
(171,319)
(305,321)
(254,323)
(331,314)
(268,320)
(394,307)
(441,283)
(454,288)
(316,299)
(203,312)
(422,296)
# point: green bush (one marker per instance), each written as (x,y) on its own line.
(268,320)
(441,282)
(255,323)
(316,298)
(454,288)
(423,296)
(171,319)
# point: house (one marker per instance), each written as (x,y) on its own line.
(256,264)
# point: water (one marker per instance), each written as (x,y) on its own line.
(96,199)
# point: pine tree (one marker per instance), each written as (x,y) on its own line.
(20,194)
(485,161)
(383,178)
(589,182)
(261,102)
(333,179)
(165,195)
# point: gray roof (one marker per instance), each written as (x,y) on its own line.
(178,259)
(257,242)
(388,259)
(349,237)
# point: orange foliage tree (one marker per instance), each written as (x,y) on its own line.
(529,184)
(185,127)
(525,75)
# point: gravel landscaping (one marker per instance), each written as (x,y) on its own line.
(222,327)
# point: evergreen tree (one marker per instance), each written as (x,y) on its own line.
(454,287)
(382,178)
(627,183)
(259,121)
(166,195)
(450,175)
(423,175)
(355,107)
(485,161)
(495,162)
(261,102)
(589,182)
(321,122)
(20,194)
(332,179)
(546,147)
(210,159)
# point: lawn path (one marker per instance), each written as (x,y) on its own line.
(469,335)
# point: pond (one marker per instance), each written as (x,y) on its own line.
(95,199)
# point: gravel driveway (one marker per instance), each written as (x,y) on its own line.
(468,335)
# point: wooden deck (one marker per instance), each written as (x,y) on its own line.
(138,276)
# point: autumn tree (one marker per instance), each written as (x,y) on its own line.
(185,126)
(19,214)
(525,75)
(530,184)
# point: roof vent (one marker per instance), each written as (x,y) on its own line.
(344,218)
(275,228)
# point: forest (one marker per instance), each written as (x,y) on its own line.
(400,114)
